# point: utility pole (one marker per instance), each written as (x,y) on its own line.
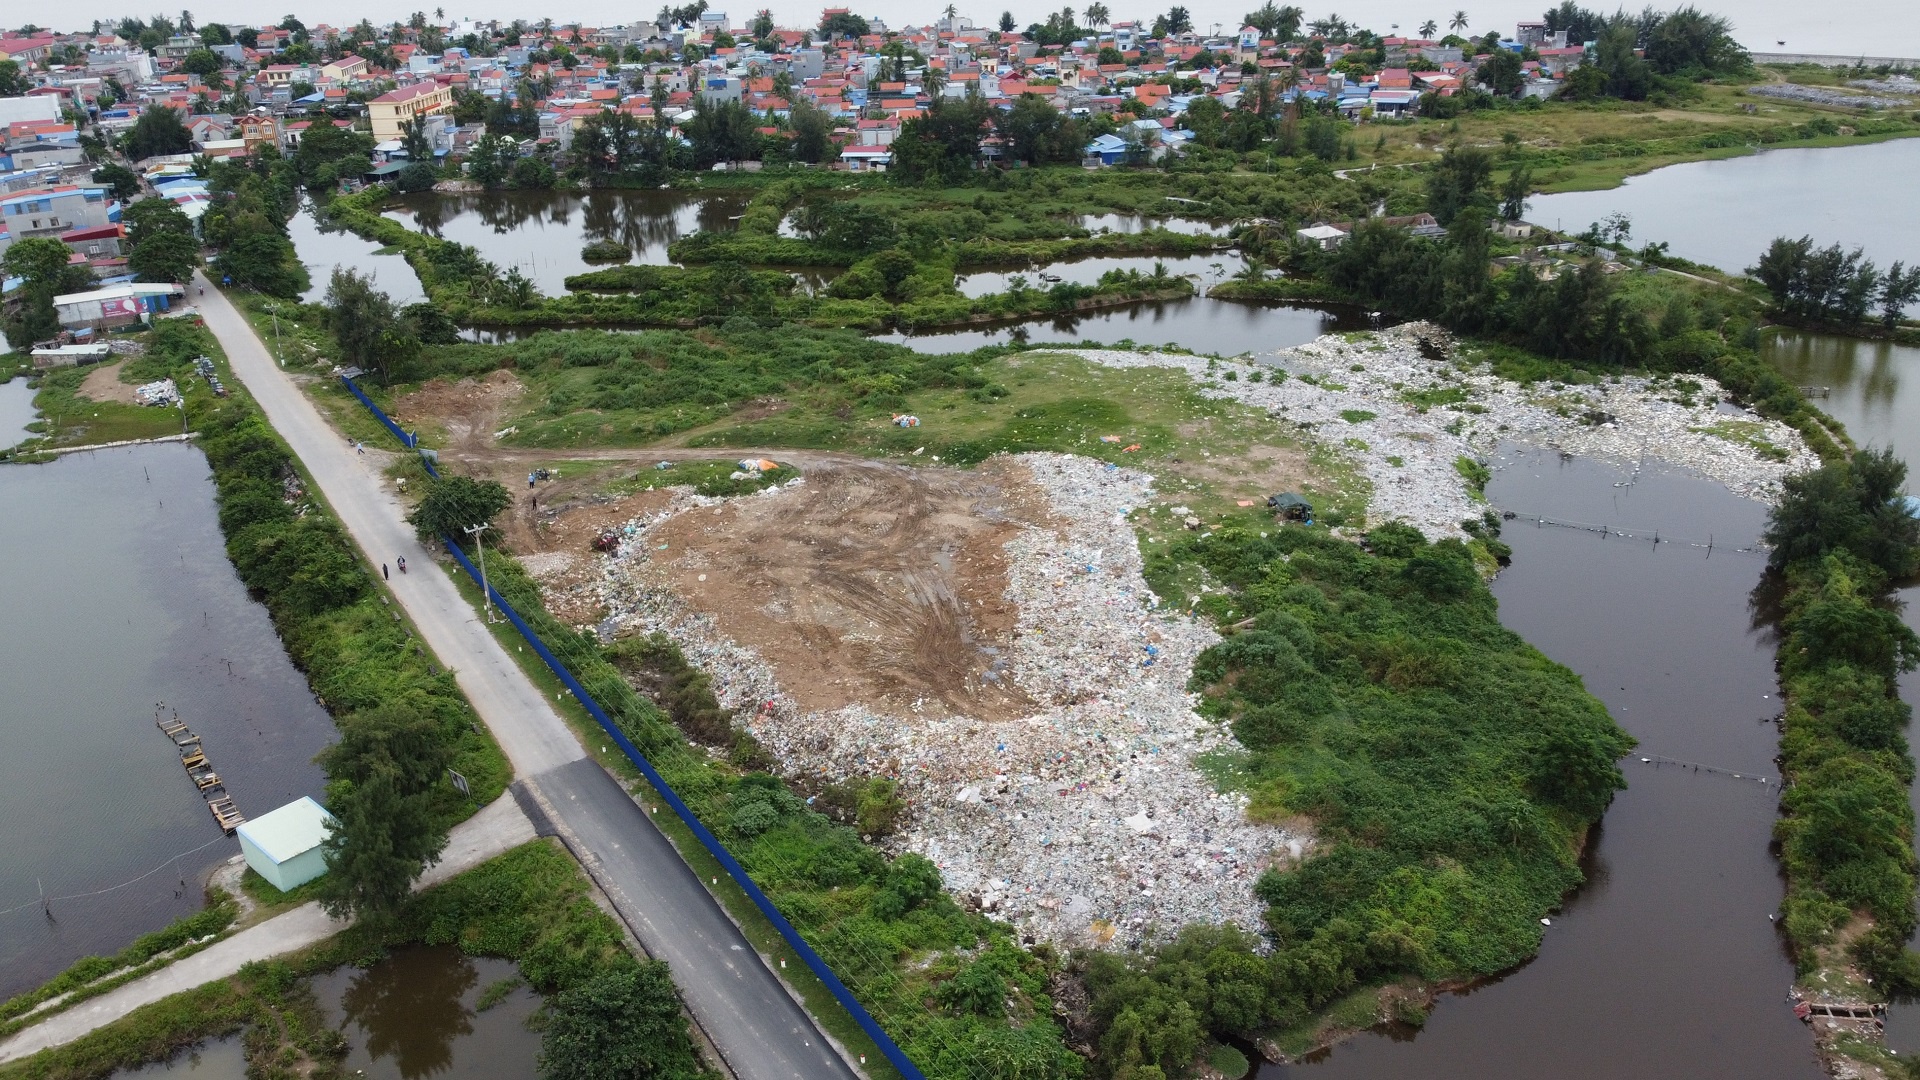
(486,594)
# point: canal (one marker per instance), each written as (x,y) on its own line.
(117,595)
(1665,964)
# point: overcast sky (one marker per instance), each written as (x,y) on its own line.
(1850,27)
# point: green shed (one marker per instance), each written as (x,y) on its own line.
(284,845)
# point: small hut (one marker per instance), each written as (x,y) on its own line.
(284,845)
(1290,506)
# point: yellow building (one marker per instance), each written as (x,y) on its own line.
(390,110)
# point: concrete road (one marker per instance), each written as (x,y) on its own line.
(499,827)
(735,998)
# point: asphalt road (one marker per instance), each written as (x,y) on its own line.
(733,995)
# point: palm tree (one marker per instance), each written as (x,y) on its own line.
(1427,28)
(1459,21)
(1097,14)
(186,21)
(951,12)
(546,29)
(1320,27)
(439,14)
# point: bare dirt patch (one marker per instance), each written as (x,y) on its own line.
(555,544)
(103,384)
(469,409)
(869,582)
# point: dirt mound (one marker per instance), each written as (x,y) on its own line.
(469,409)
(869,582)
(103,384)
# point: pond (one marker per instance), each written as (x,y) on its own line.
(542,232)
(16,411)
(322,249)
(417,1014)
(117,594)
(1665,964)
(1197,323)
(1725,213)
(425,1011)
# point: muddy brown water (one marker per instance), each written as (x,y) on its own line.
(117,593)
(1665,965)
(413,1015)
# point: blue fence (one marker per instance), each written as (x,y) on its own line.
(738,873)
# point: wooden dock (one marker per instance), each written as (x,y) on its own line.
(193,758)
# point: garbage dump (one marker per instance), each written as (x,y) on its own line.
(1085,821)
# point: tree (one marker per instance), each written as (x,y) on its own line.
(12,82)
(362,319)
(1514,192)
(124,181)
(812,132)
(381,780)
(1098,14)
(202,62)
(165,256)
(454,502)
(762,23)
(1846,506)
(843,24)
(414,141)
(625,1024)
(1501,73)
(1627,75)
(1428,29)
(1037,133)
(148,217)
(1179,21)
(1689,41)
(1279,23)
(1898,289)
(1458,181)
(158,131)
(1006,22)
(45,266)
(1458,22)
(215,34)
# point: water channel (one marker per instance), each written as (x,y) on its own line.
(1665,964)
(118,594)
(16,411)
(322,249)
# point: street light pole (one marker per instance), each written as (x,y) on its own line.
(486,594)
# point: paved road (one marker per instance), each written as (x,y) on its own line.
(744,1009)
(499,827)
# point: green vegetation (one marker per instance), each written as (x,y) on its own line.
(624,1023)
(382,777)
(1450,769)
(453,503)
(1840,539)
(1833,287)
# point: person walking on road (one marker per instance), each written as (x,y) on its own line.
(360,448)
(403,564)
(383,573)
(529,481)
